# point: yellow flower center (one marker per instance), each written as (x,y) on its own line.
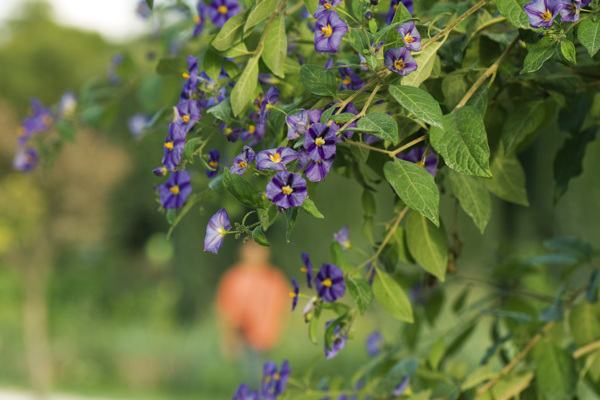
(420,163)
(573,9)
(174,190)
(276,158)
(303,269)
(327,30)
(319,141)
(223,9)
(222,231)
(276,376)
(186,75)
(213,164)
(242,164)
(197,19)
(287,190)
(251,128)
(408,38)
(347,80)
(292,294)
(327,6)
(547,15)
(395,6)
(327,282)
(169,145)
(186,118)
(398,64)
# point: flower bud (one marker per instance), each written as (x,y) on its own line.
(369,15)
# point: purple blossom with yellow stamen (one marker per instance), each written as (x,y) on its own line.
(297,124)
(200,19)
(338,341)
(570,10)
(241,162)
(190,88)
(410,36)
(343,237)
(415,155)
(249,132)
(294,294)
(402,386)
(173,147)
(287,190)
(400,61)
(176,190)
(216,229)
(325,6)
(275,158)
(25,160)
(350,80)
(319,142)
(308,269)
(329,283)
(221,10)
(213,163)
(541,13)
(316,170)
(186,114)
(329,31)
(232,134)
(265,109)
(394,6)
(273,382)
(159,171)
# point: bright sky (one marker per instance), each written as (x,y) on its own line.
(115,19)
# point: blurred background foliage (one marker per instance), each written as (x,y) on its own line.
(131,314)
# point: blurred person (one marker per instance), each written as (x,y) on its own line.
(252,298)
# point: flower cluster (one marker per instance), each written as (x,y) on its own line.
(272,385)
(542,13)
(329,28)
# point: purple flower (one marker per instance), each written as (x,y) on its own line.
(541,13)
(297,124)
(241,162)
(308,269)
(221,10)
(400,61)
(410,35)
(287,190)
(372,273)
(67,105)
(329,31)
(244,392)
(160,171)
(401,387)
(275,158)
(213,162)
(329,283)
(250,130)
(176,190)
(142,10)
(273,382)
(341,135)
(394,6)
(190,88)
(415,155)
(350,80)
(318,169)
(319,142)
(187,113)
(370,139)
(570,10)
(374,342)
(25,160)
(294,294)
(232,134)
(217,228)
(265,109)
(374,50)
(137,123)
(343,237)
(174,144)
(200,18)
(338,341)
(325,6)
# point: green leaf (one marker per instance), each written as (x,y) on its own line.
(222,110)
(339,321)
(361,292)
(584,323)
(310,207)
(188,149)
(291,215)
(425,62)
(567,48)
(463,142)
(171,66)
(237,50)
(358,41)
(401,15)
(380,125)
(473,198)
(391,297)
(243,91)
(212,64)
(436,353)
(262,10)
(171,216)
(514,13)
(508,182)
(318,80)
(150,3)
(372,61)
(311,5)
(336,251)
(368,203)
(259,237)
(418,102)
(427,244)
(524,120)
(66,130)
(327,114)
(538,53)
(373,26)
(568,163)
(415,186)
(314,321)
(588,34)
(275,49)
(243,191)
(508,387)
(232,32)
(556,377)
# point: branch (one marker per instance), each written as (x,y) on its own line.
(586,349)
